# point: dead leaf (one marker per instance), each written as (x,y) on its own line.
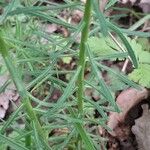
(7,95)
(141,129)
(126,100)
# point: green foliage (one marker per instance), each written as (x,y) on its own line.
(144,56)
(141,75)
(36,54)
(2,46)
(3,146)
(105,46)
(115,83)
(134,44)
(102,46)
(144,42)
(141,49)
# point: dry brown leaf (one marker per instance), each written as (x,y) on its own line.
(4,104)
(126,100)
(7,95)
(141,129)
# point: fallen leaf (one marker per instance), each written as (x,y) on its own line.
(126,100)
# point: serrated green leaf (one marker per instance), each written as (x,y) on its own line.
(134,44)
(144,56)
(141,75)
(101,46)
(144,43)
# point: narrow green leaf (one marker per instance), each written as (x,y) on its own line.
(85,137)
(42,76)
(21,90)
(42,8)
(65,117)
(22,134)
(11,119)
(52,19)
(101,18)
(98,108)
(37,140)
(119,55)
(66,94)
(126,43)
(8,9)
(49,18)
(120,76)
(105,90)
(4,86)
(39,102)
(139,22)
(136,33)
(12,143)
(111,3)
(66,141)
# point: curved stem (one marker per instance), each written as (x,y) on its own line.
(20,88)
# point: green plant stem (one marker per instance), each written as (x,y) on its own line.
(84,37)
(28,139)
(20,88)
(23,94)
